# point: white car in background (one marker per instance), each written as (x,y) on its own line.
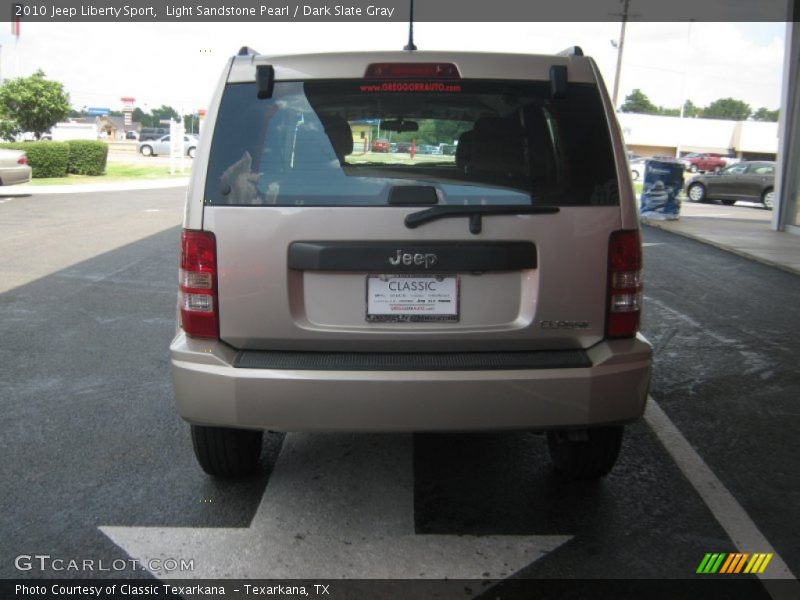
(637,167)
(161,146)
(14,167)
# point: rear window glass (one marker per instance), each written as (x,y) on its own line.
(351,143)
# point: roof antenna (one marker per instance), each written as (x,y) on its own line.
(410,45)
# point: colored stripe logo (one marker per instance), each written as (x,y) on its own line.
(734,563)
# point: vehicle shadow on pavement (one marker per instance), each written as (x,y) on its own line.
(503,483)
(90,435)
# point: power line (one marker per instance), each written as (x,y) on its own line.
(704,75)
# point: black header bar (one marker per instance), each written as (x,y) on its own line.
(740,588)
(333,11)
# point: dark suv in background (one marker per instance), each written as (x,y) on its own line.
(152,133)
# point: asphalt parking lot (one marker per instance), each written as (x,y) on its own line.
(98,466)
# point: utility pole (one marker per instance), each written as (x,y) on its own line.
(620,46)
(683,91)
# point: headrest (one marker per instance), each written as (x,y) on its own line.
(464,149)
(498,146)
(340,134)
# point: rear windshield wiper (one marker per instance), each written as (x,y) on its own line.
(475,213)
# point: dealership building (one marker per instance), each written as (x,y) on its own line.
(651,135)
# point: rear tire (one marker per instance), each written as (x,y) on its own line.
(585,459)
(225,452)
(191,152)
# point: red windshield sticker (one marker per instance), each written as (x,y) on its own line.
(411,87)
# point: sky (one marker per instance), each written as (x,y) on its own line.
(179,63)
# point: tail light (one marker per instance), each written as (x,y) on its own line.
(198,284)
(624,284)
(22,160)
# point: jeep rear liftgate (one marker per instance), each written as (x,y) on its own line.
(280,288)
(410,211)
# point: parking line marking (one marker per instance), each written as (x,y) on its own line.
(765,563)
(354,516)
(744,533)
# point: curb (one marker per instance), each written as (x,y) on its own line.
(732,250)
(116,186)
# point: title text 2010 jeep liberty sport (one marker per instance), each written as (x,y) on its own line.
(327,287)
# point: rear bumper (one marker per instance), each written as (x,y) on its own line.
(209,390)
(15,175)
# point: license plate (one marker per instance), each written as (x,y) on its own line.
(394,298)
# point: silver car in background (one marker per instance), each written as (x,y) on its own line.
(324,288)
(162,146)
(14,168)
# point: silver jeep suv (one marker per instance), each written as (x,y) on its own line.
(325,286)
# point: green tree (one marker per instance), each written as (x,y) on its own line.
(690,110)
(139,116)
(765,114)
(432,132)
(727,108)
(163,113)
(33,103)
(155,116)
(190,123)
(9,130)
(638,102)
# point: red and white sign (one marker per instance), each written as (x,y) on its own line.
(127,104)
